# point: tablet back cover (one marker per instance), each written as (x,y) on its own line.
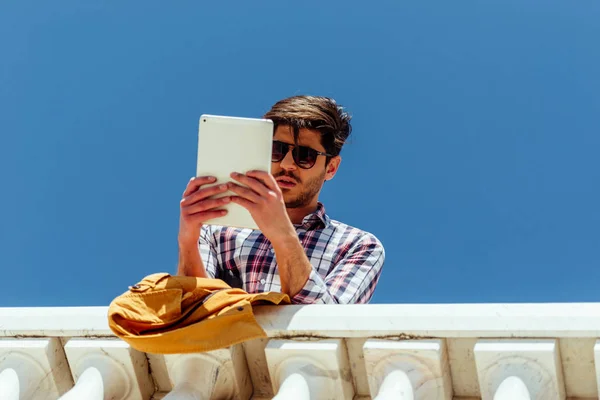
(233,144)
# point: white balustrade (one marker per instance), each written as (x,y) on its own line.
(519,367)
(33,369)
(407,369)
(219,374)
(309,370)
(359,352)
(107,370)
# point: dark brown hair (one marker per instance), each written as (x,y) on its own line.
(322,114)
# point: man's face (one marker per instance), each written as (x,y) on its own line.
(301,187)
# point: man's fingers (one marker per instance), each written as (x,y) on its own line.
(205,205)
(244,192)
(204,216)
(196,182)
(242,202)
(254,184)
(203,194)
(267,179)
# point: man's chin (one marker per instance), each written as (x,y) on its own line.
(291,201)
(287,196)
(293,204)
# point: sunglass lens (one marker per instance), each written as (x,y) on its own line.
(279,150)
(305,157)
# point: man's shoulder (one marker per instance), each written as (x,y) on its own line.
(356,234)
(359,244)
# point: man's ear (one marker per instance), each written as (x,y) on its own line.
(332,167)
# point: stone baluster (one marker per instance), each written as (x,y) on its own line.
(33,369)
(107,369)
(396,385)
(597,363)
(407,369)
(221,374)
(97,383)
(519,369)
(309,370)
(512,388)
(10,385)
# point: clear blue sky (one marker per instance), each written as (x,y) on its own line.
(474,157)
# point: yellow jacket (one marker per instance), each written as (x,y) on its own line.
(167,314)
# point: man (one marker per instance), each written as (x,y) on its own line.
(299,250)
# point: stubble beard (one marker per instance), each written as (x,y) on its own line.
(303,199)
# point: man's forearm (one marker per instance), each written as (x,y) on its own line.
(294,267)
(190,263)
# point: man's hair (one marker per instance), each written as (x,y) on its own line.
(322,114)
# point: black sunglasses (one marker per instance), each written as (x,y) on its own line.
(304,157)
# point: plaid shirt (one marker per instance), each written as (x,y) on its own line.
(346,262)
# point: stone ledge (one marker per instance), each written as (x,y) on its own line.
(402,321)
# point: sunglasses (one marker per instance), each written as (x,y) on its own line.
(303,156)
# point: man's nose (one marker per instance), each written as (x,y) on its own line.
(288,162)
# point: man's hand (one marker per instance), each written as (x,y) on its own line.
(196,207)
(263,199)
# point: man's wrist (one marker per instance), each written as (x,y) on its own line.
(285,241)
(292,263)
(187,242)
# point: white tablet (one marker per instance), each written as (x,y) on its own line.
(233,144)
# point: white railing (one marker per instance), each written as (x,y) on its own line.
(466,351)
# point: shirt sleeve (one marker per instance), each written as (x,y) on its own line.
(208,252)
(352,280)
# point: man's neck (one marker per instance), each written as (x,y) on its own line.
(297,214)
